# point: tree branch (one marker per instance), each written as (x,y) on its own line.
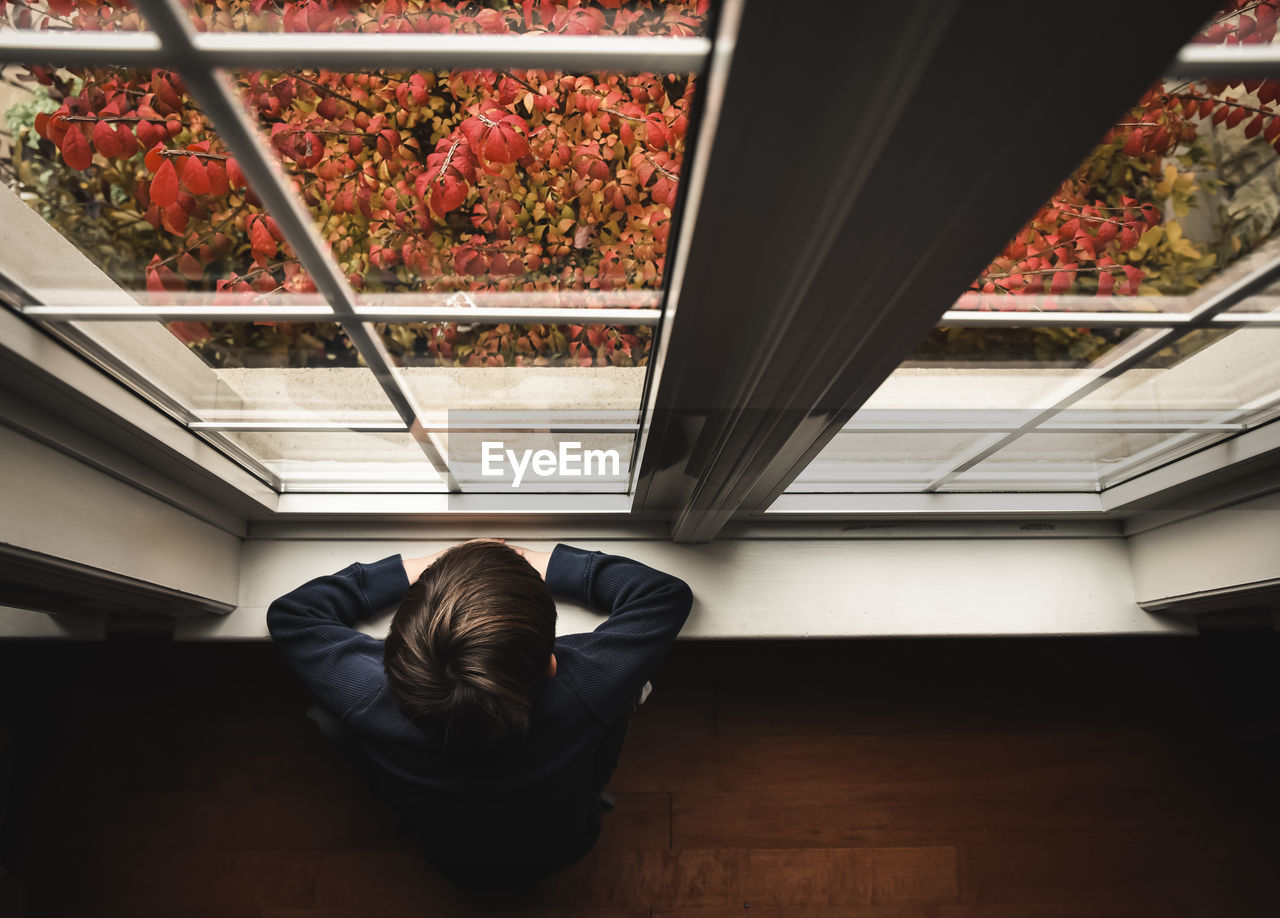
(196,153)
(331,92)
(672,176)
(114,119)
(614,111)
(203,239)
(1242,11)
(1077,268)
(1249,108)
(525,83)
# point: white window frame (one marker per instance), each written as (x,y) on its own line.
(201,59)
(173,43)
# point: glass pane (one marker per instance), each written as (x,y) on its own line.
(1212,382)
(863,461)
(1177,202)
(675,18)
(1266,301)
(541,461)
(992,369)
(55,15)
(1246,22)
(124,165)
(1211,374)
(483,180)
(488,395)
(449,344)
(1180,188)
(266,344)
(238,372)
(341,460)
(1047,347)
(1057,461)
(281,371)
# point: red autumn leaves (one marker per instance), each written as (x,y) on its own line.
(617,154)
(1245,22)
(442,180)
(265,238)
(116,119)
(498,137)
(179,177)
(1262,116)
(659,173)
(490,138)
(201,173)
(75,149)
(1066,239)
(1079,235)
(451,169)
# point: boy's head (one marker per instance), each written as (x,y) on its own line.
(471,643)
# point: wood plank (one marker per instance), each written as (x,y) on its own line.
(676,710)
(152,910)
(196,822)
(1213,877)
(393,880)
(895,686)
(149,821)
(512,906)
(485,908)
(181,756)
(10,895)
(970,812)
(638,821)
(908,911)
(227,883)
(640,879)
(770,764)
(783,767)
(734,877)
(685,690)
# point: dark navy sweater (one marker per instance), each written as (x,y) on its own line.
(530,795)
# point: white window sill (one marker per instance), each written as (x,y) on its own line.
(796,588)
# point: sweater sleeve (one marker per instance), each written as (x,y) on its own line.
(646,610)
(314,627)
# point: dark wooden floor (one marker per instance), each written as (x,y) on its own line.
(1015,778)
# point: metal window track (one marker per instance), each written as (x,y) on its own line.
(349,50)
(1255,275)
(1225,62)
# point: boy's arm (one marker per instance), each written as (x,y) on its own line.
(646,610)
(315,628)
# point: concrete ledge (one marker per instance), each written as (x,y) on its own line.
(794,588)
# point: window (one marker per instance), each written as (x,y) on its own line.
(353,252)
(410,278)
(1131,322)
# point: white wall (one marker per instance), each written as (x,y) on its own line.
(22,623)
(1224,550)
(58,506)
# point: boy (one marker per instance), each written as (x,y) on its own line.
(491,737)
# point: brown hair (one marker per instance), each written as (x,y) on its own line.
(470,642)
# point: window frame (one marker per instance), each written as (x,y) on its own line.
(703,459)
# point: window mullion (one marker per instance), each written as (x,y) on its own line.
(343,50)
(1228,62)
(1128,356)
(212,90)
(462,314)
